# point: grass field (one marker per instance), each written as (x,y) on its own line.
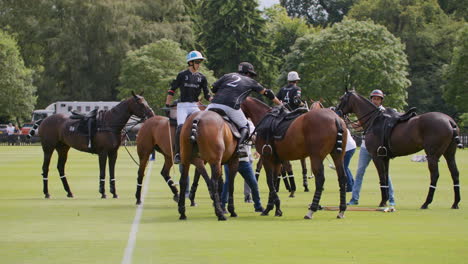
(87,229)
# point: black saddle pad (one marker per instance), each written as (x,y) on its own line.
(276,123)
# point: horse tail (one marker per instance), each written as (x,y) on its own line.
(33,131)
(455,134)
(339,136)
(193,132)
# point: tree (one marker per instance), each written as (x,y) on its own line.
(152,68)
(318,12)
(234,31)
(76,47)
(428,34)
(16,90)
(351,54)
(456,89)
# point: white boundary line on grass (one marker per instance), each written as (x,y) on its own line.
(127,258)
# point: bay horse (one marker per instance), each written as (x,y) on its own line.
(435,132)
(287,173)
(314,134)
(157,133)
(207,136)
(57,132)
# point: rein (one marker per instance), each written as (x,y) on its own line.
(125,131)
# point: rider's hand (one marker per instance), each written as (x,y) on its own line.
(167,110)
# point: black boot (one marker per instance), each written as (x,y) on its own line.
(244,133)
(177,145)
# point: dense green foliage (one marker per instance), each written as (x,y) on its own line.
(456,89)
(349,55)
(17,97)
(76,49)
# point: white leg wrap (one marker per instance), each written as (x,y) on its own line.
(432,186)
(61,177)
(456,185)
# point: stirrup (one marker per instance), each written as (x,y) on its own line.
(382,151)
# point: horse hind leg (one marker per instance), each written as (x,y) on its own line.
(304,175)
(452,165)
(112,159)
(342,179)
(433,165)
(102,174)
(194,187)
(215,175)
(62,151)
(317,168)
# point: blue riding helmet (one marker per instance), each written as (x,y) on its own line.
(194,55)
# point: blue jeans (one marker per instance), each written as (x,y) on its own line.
(349,176)
(246,171)
(364,159)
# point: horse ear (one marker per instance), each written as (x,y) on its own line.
(142,92)
(133,93)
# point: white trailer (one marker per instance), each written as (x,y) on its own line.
(66,107)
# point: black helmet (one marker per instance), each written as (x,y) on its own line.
(245,67)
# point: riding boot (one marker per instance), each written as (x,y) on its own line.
(177,145)
(244,133)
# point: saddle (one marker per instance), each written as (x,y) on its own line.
(390,119)
(86,125)
(275,124)
(232,125)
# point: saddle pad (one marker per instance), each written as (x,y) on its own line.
(276,123)
(232,126)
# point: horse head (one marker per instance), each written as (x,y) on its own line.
(254,109)
(344,107)
(139,107)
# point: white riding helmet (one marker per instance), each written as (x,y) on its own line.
(194,55)
(293,76)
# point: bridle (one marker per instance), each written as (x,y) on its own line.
(366,120)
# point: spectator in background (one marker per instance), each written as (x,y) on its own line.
(350,149)
(11,134)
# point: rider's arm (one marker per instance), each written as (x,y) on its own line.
(174,85)
(270,95)
(206,92)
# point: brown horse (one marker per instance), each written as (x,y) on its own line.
(158,133)
(58,133)
(434,132)
(314,134)
(207,136)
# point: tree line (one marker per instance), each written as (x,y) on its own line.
(415,51)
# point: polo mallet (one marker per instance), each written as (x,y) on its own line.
(360,209)
(174,182)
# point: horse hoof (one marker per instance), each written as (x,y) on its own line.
(291,195)
(183,217)
(424,206)
(233,215)
(306,190)
(138,203)
(222,218)
(47,196)
(264,213)
(307,217)
(115,196)
(340,215)
(455,206)
(70,195)
(103,196)
(175,198)
(193,203)
(278,213)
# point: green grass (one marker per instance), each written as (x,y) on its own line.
(87,229)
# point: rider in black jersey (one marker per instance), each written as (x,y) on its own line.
(290,94)
(191,83)
(231,90)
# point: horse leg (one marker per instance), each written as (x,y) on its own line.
(276,200)
(102,173)
(258,168)
(433,164)
(62,151)
(200,167)
(193,189)
(141,174)
(317,169)
(45,170)
(304,175)
(342,180)
(283,174)
(112,159)
(381,163)
(215,175)
(233,167)
(167,178)
(290,176)
(183,188)
(452,165)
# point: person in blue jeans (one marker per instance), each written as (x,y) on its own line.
(246,171)
(350,149)
(376,97)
